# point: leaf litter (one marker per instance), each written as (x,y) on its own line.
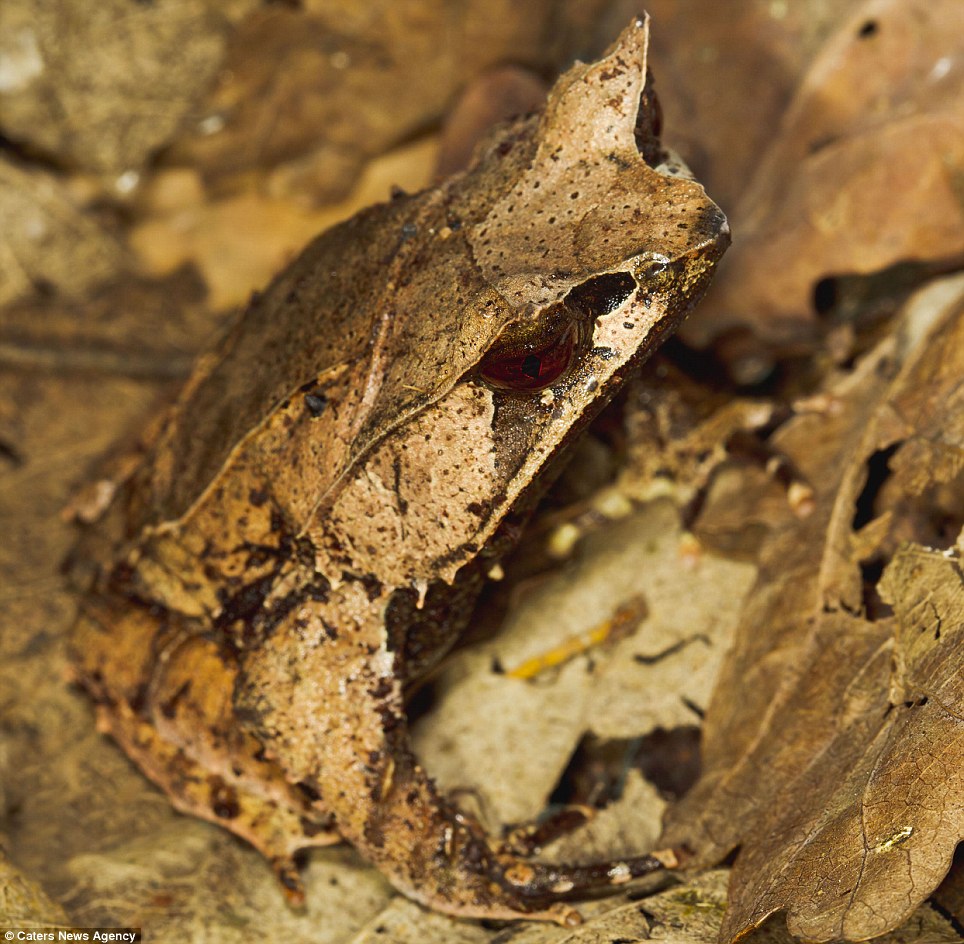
(843,683)
(834,748)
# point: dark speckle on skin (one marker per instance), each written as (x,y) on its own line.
(224,800)
(316,403)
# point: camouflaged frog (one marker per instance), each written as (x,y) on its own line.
(306,532)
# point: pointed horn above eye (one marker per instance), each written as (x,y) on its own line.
(597,104)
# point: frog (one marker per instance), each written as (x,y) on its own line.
(303,535)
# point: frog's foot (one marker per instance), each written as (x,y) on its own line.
(457,869)
(533,889)
(544,882)
(527,839)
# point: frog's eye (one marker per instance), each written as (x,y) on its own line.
(525,358)
(531,356)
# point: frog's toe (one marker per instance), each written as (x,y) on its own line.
(289,876)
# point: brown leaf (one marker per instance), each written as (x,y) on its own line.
(132,327)
(832,134)
(725,75)
(833,745)
(239,241)
(323,88)
(495,96)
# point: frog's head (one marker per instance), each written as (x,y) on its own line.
(595,245)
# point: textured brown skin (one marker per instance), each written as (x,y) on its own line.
(312,522)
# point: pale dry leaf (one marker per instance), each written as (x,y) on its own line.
(404,922)
(691,913)
(606,921)
(188,881)
(102,86)
(48,243)
(508,739)
(23,901)
(826,758)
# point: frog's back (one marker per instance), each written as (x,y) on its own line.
(316,315)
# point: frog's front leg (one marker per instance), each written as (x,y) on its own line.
(326,701)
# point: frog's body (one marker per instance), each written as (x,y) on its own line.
(313,521)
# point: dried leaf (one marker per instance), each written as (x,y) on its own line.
(324,88)
(23,902)
(48,243)
(833,744)
(186,882)
(864,169)
(241,240)
(133,327)
(726,74)
(620,829)
(508,740)
(495,96)
(103,86)
(404,922)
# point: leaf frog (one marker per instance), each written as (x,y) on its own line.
(309,526)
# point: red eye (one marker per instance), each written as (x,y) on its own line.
(530,364)
(533,354)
